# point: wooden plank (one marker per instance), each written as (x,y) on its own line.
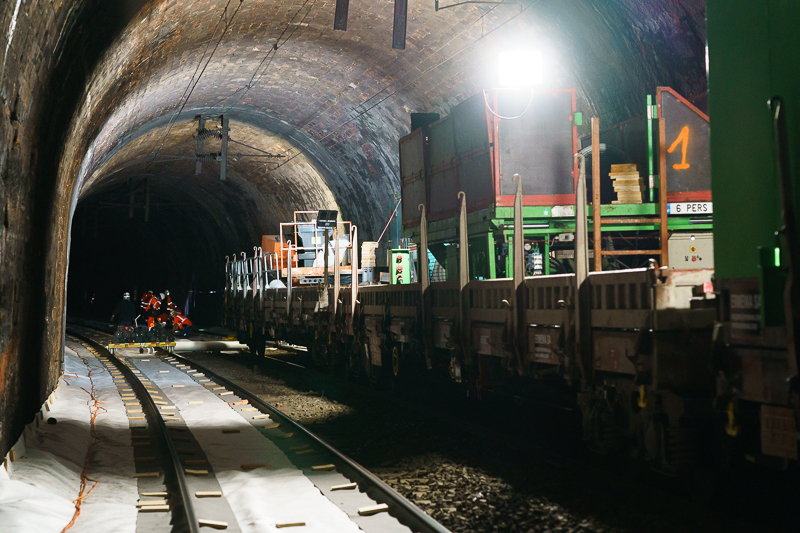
(143,503)
(216,524)
(153,508)
(624,167)
(208,494)
(373,509)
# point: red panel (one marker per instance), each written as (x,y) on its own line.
(690,196)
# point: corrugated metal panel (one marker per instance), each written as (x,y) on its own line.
(412,155)
(471,131)
(537,143)
(441,146)
(475,179)
(444,192)
(413,195)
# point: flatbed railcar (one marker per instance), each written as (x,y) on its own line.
(638,367)
(682,367)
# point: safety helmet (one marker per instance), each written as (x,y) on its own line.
(126,296)
(166,292)
(161,295)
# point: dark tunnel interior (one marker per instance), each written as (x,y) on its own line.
(99,101)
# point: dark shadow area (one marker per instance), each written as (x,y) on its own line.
(506,465)
(180,248)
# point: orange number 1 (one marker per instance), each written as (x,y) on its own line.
(683,140)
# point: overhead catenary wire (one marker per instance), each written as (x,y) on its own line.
(256,149)
(270,55)
(196,77)
(274,48)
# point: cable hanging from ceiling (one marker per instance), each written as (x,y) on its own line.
(270,55)
(195,79)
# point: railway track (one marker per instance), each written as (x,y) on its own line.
(168,430)
(480,434)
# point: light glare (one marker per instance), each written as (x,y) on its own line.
(521,68)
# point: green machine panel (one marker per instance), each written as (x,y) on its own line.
(753,56)
(400,267)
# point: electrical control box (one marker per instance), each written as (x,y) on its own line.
(534,262)
(691,250)
(400,267)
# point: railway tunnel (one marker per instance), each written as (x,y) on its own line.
(101,189)
(95,110)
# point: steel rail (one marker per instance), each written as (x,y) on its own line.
(152,413)
(399,507)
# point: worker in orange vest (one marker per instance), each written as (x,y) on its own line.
(169,303)
(181,325)
(150,305)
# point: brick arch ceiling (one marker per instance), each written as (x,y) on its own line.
(86,87)
(337,102)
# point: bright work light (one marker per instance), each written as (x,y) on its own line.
(520,69)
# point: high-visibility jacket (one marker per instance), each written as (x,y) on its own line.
(149,301)
(180,321)
(146,296)
(170,305)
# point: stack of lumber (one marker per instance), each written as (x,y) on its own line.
(627,184)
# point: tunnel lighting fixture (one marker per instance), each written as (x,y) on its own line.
(326,218)
(522,68)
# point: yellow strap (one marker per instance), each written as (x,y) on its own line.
(732,428)
(642,400)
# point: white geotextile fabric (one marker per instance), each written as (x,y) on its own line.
(39,495)
(259,498)
(185,345)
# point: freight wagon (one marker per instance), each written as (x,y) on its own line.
(671,362)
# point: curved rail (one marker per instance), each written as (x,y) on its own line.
(399,507)
(173,472)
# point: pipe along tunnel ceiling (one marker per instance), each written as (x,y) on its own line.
(99,99)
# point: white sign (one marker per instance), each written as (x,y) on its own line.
(563,210)
(690,208)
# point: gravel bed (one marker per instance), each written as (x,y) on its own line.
(469,482)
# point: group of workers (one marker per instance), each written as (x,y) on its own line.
(157,309)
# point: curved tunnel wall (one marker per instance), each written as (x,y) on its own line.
(84,82)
